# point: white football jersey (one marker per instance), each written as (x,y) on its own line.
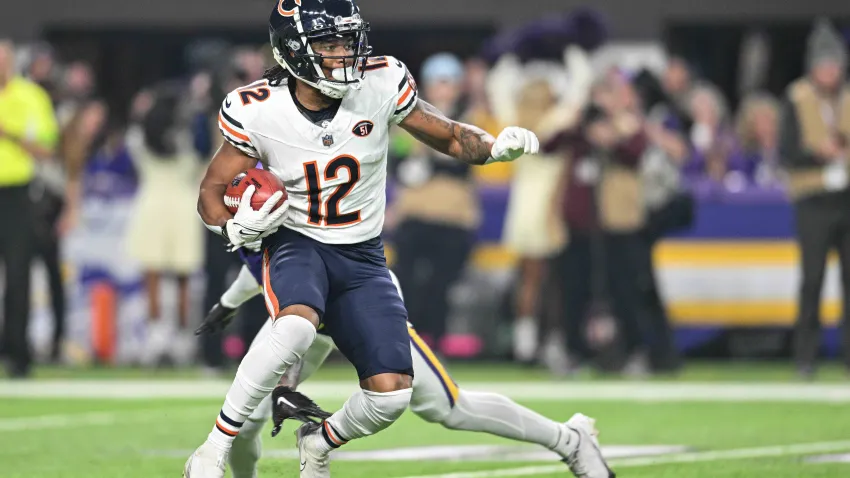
(335,173)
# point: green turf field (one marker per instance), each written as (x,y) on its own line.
(742,421)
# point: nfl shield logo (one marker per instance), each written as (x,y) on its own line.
(327,140)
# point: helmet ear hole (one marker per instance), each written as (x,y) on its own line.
(293,45)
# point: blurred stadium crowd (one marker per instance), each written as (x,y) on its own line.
(629,148)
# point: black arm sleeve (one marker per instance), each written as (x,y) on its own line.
(791,151)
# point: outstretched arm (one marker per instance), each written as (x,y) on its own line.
(466,142)
(462,141)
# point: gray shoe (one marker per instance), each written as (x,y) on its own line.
(314,463)
(585,459)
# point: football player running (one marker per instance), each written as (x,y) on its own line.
(320,121)
(436,397)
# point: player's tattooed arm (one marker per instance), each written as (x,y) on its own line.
(459,140)
(225,165)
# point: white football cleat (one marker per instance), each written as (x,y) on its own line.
(207,462)
(584,458)
(314,464)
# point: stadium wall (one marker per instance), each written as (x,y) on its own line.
(721,283)
(642,19)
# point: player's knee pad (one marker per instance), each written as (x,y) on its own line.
(366,413)
(284,345)
(430,410)
(291,335)
(384,408)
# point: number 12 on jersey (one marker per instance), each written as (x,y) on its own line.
(332,216)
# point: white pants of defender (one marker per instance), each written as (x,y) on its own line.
(434,392)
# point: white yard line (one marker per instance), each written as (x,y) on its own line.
(535,391)
(72,420)
(737,454)
(696,457)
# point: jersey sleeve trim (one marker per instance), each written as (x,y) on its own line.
(230,129)
(402,112)
(408,95)
(235,134)
(405,95)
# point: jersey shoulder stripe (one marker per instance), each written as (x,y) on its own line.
(237,137)
(232,129)
(231,120)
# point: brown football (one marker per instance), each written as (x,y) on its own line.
(265,182)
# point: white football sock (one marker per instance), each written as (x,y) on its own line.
(258,374)
(365,413)
(241,290)
(499,415)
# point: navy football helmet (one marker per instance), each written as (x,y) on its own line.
(295,24)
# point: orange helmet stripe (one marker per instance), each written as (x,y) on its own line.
(285,12)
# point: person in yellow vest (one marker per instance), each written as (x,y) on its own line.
(814,139)
(27,134)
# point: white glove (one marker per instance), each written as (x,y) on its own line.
(248,225)
(512,143)
(835,176)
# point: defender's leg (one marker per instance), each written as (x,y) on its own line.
(437,399)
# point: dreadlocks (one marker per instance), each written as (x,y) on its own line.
(276,75)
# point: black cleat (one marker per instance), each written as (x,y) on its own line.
(287,403)
(217,319)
